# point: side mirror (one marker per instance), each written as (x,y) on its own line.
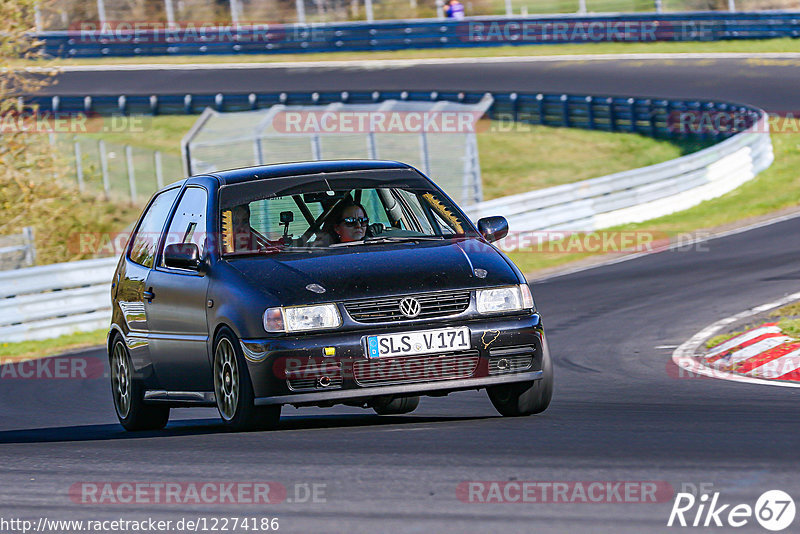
(182,256)
(493,228)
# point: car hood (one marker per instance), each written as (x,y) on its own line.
(376,270)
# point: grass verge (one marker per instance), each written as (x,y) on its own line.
(775,189)
(748,46)
(535,157)
(26,350)
(721,338)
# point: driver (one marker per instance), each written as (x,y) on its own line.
(348,222)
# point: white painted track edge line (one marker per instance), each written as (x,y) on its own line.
(684,356)
(395,63)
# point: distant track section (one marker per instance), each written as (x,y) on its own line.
(766,82)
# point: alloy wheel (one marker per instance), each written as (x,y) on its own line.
(226,379)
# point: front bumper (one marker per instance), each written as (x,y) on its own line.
(426,388)
(295,370)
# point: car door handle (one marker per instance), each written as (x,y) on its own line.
(149,295)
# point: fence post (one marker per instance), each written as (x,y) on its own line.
(632,110)
(513,97)
(301,11)
(79,165)
(170,9)
(37,17)
(668,116)
(651,115)
(368,8)
(30,245)
(131,172)
(509,8)
(316,148)
(372,146)
(101,147)
(425,156)
(101,11)
(258,151)
(581,7)
(659,6)
(540,108)
(159,170)
(612,115)
(731,5)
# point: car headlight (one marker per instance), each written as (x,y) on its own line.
(504,299)
(302,318)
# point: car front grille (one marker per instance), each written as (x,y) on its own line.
(510,360)
(315,377)
(432,305)
(411,369)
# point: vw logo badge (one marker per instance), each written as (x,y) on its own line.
(410,307)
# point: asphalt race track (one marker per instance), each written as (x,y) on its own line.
(769,83)
(621,411)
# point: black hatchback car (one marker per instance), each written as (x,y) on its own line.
(315,284)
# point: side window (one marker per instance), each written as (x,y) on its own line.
(189,223)
(145,241)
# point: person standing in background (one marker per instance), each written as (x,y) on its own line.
(453,9)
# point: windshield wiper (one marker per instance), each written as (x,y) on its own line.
(391,239)
(271,250)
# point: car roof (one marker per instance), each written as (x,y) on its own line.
(282,170)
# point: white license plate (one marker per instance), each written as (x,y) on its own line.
(422,342)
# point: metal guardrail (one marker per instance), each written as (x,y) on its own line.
(652,117)
(422,33)
(18,250)
(640,194)
(51,300)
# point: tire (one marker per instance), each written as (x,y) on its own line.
(233,390)
(525,398)
(128,393)
(396,406)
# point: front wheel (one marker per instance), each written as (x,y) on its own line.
(128,394)
(234,391)
(396,406)
(525,398)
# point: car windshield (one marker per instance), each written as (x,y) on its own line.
(334,217)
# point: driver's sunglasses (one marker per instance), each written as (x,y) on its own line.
(353,221)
